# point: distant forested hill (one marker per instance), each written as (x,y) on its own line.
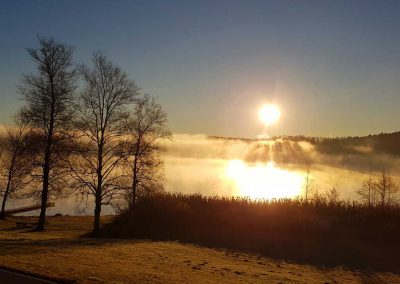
(385,143)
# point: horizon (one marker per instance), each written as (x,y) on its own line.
(334,79)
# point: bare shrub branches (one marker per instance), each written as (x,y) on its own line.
(15,163)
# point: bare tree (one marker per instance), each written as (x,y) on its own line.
(310,186)
(387,189)
(15,162)
(102,119)
(307,185)
(318,197)
(148,124)
(368,191)
(332,195)
(49,96)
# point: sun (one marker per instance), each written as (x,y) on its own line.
(269,114)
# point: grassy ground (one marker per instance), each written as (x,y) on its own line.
(61,253)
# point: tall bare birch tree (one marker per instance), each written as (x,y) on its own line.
(102,123)
(148,125)
(48,94)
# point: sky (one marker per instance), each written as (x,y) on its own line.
(333,67)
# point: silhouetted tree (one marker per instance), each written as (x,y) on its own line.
(386,189)
(102,123)
(332,195)
(307,185)
(148,124)
(310,186)
(318,198)
(15,162)
(49,97)
(368,192)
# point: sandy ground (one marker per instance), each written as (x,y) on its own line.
(62,254)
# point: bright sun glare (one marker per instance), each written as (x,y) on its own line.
(264,180)
(269,114)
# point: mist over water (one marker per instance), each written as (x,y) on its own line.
(198,164)
(256,169)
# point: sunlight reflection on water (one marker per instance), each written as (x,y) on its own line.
(264,180)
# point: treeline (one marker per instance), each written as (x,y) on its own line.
(83,129)
(384,143)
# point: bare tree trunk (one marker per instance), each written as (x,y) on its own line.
(45,190)
(134,178)
(10,174)
(383,190)
(46,169)
(133,188)
(308,181)
(3,204)
(97,208)
(97,211)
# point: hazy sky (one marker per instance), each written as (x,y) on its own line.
(332,66)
